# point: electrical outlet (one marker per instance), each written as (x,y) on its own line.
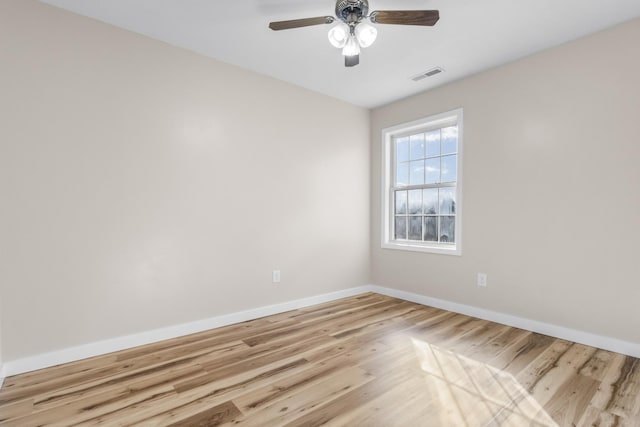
(482,280)
(276,276)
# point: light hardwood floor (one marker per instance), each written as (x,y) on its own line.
(368,360)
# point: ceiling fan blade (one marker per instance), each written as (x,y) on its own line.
(351,61)
(405,17)
(297,23)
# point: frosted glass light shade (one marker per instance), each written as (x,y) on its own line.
(366,34)
(351,48)
(338,35)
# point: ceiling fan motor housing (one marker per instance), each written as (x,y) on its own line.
(344,8)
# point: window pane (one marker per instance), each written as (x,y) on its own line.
(433,143)
(447,226)
(433,171)
(402,174)
(430,200)
(447,200)
(401,227)
(422,204)
(431,228)
(416,172)
(401,202)
(417,146)
(449,168)
(415,202)
(402,150)
(415,228)
(450,140)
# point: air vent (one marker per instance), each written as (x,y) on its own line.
(428,73)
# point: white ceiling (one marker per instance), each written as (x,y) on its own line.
(471,36)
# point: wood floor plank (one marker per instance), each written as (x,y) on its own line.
(214,373)
(521,353)
(344,318)
(206,395)
(221,336)
(368,360)
(564,369)
(624,403)
(544,363)
(335,311)
(182,368)
(16,409)
(572,399)
(596,413)
(350,406)
(144,390)
(294,405)
(216,416)
(65,414)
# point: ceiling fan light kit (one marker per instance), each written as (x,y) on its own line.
(353,33)
(338,35)
(366,34)
(352,48)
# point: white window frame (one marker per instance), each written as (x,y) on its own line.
(454,117)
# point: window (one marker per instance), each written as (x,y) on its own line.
(422,165)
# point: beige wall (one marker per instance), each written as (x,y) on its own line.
(551,200)
(145,186)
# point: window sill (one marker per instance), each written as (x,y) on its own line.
(414,247)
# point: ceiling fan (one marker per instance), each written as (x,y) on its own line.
(353,33)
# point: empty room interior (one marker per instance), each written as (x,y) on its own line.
(288,213)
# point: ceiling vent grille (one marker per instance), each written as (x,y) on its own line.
(429,73)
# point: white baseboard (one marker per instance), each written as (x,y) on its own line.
(72,354)
(2,375)
(593,340)
(99,348)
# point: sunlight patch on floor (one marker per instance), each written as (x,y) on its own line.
(476,394)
